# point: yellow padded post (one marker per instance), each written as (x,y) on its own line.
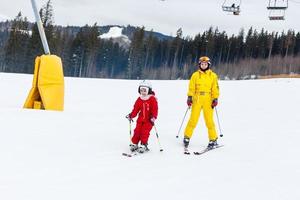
(48,84)
(37,105)
(34,94)
(51,82)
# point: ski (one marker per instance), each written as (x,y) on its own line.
(134,153)
(206,150)
(130,154)
(186,151)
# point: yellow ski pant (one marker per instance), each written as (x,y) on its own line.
(201,102)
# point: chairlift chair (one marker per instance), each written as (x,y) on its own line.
(276,18)
(275,5)
(277,9)
(231,7)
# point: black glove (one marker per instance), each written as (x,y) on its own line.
(189,101)
(129,118)
(214,103)
(152,120)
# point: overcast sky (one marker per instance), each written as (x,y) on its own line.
(193,16)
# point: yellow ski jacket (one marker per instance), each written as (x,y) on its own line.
(204,83)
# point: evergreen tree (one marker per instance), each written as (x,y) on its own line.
(84,52)
(136,55)
(16,46)
(86,55)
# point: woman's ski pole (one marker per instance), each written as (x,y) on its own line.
(160,149)
(182,121)
(221,135)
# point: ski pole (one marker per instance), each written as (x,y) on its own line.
(160,149)
(130,120)
(130,131)
(182,121)
(221,135)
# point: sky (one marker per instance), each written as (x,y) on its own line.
(165,16)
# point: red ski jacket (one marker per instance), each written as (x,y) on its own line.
(145,108)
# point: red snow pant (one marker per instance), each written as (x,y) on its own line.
(141,133)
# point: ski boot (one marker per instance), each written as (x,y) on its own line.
(212,144)
(133,147)
(143,148)
(186,142)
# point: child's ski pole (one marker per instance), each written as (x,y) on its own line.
(129,131)
(160,149)
(130,120)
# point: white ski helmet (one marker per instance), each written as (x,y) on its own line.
(146,84)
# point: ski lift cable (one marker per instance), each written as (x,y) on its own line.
(226,0)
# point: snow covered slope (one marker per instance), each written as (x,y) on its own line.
(76,154)
(115,33)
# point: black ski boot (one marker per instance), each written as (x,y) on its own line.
(212,144)
(133,147)
(186,142)
(143,148)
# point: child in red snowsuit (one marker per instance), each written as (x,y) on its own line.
(146,108)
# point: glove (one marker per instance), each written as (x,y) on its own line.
(129,118)
(152,120)
(189,101)
(214,103)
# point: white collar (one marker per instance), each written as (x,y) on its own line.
(145,97)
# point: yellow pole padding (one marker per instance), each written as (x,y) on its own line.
(34,94)
(37,105)
(48,84)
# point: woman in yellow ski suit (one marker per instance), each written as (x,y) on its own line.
(203,95)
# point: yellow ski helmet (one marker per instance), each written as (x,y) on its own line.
(204,59)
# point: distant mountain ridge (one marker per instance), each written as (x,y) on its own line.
(127,30)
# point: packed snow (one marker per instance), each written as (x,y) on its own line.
(76,154)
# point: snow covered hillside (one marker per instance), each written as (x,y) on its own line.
(76,154)
(115,33)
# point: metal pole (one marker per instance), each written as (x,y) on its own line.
(130,131)
(221,135)
(160,149)
(182,122)
(40,27)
